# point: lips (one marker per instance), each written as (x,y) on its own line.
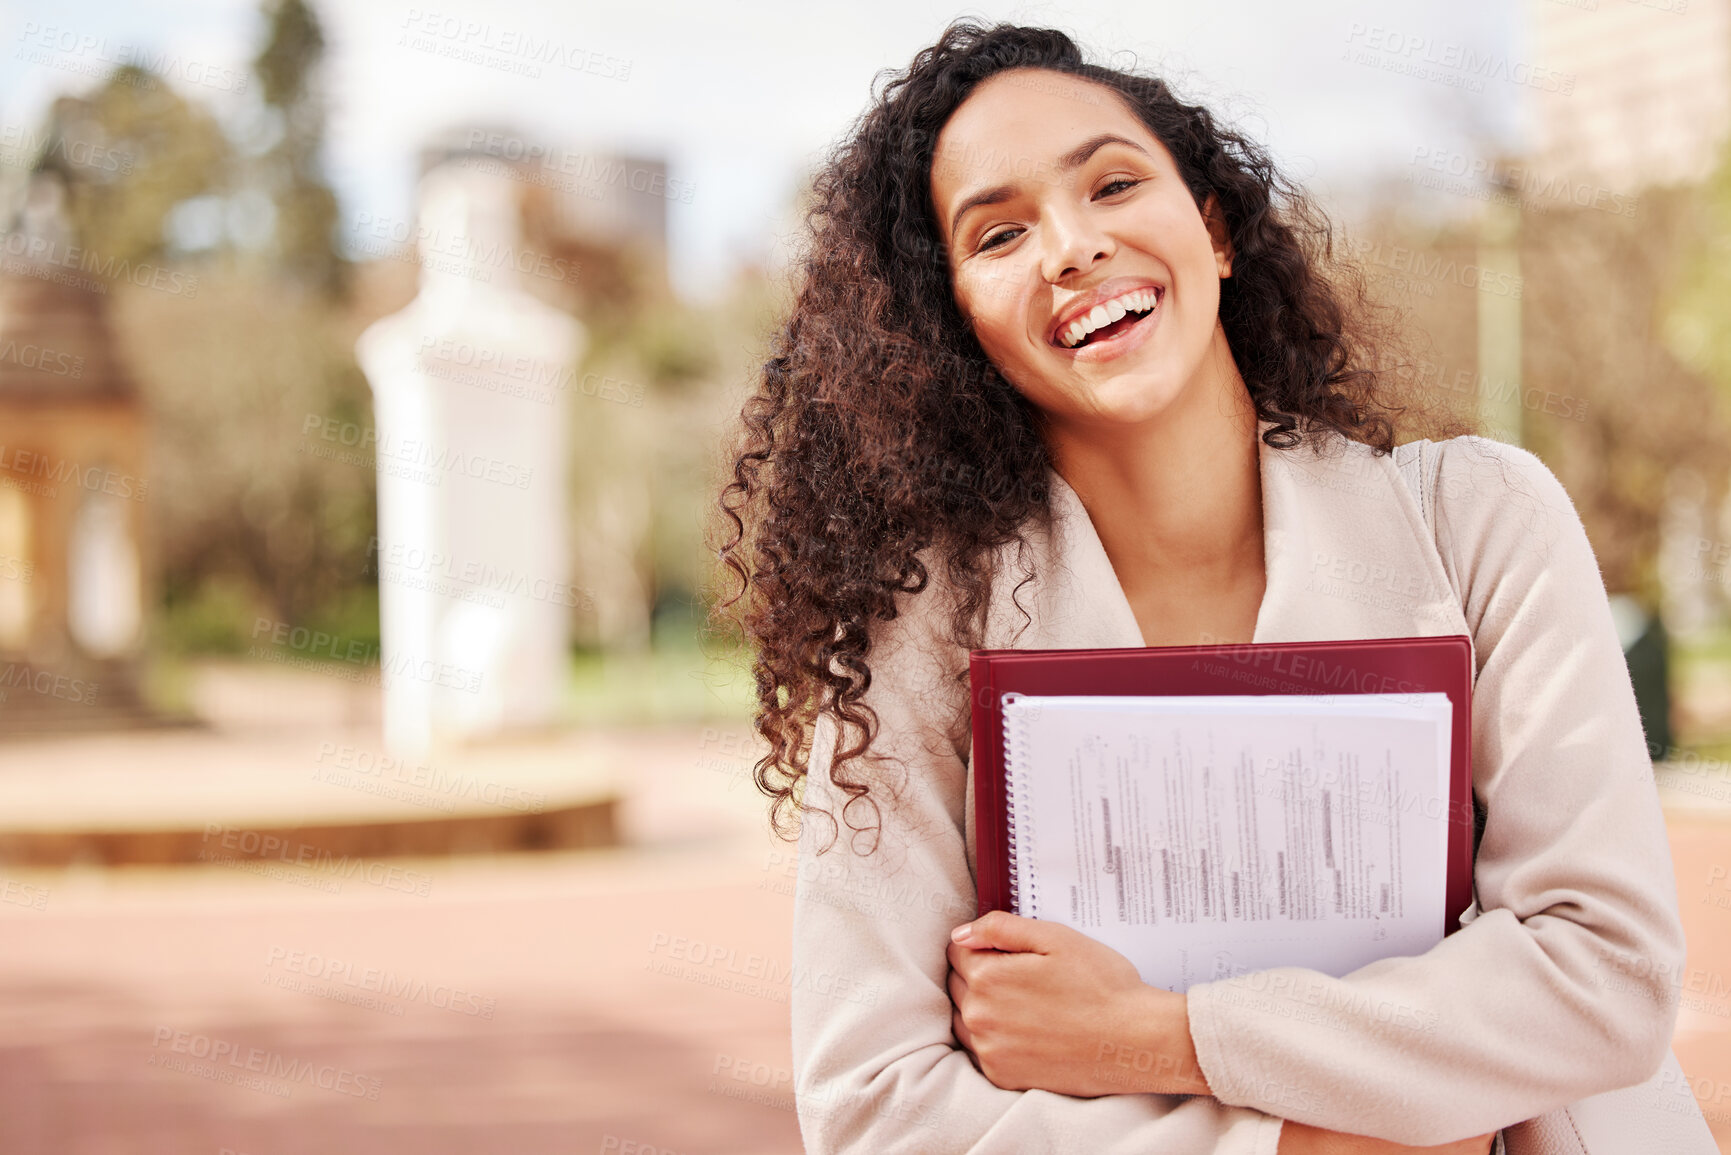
(1114,329)
(1105,307)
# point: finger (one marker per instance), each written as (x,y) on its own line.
(963,1036)
(1001,930)
(968,963)
(958,989)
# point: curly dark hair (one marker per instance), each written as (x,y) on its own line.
(879,430)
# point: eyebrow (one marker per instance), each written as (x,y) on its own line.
(1074,159)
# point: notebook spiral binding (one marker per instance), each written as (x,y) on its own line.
(1015,774)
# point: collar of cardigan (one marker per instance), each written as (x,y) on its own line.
(1346,550)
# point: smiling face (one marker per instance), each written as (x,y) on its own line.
(1088,273)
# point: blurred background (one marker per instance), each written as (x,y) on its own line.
(370,779)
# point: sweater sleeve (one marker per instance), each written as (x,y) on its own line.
(877,1068)
(1564,985)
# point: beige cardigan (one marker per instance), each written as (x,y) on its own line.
(1562,988)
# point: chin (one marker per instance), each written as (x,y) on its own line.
(1130,399)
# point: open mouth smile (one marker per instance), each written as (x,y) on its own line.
(1108,325)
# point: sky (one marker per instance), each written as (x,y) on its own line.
(742,97)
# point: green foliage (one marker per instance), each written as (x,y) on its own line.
(220,614)
(351,614)
(306,209)
(250,522)
(211,617)
(1697,313)
(175,151)
(235,377)
(1701,670)
(672,349)
(671,684)
(294,47)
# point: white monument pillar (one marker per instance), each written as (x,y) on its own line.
(469,399)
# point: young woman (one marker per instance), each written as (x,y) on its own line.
(1066,369)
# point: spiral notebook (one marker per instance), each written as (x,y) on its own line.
(1210,811)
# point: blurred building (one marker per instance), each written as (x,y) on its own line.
(1641,93)
(600,212)
(73,488)
(1642,103)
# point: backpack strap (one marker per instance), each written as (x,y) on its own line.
(1418,466)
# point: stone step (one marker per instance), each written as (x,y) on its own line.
(342,847)
(287,798)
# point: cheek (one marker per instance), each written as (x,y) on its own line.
(1201,306)
(1197,279)
(1202,262)
(998,311)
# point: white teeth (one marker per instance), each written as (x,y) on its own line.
(1140,301)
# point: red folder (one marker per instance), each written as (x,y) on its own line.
(1375,666)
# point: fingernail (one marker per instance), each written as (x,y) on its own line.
(961,933)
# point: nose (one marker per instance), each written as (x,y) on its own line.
(1075,242)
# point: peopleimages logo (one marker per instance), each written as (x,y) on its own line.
(41,358)
(406,564)
(220,1053)
(453,252)
(412,458)
(335,978)
(78,51)
(29,255)
(25,677)
(588,170)
(1540,190)
(504,48)
(304,647)
(490,369)
(1447,62)
(241,846)
(1434,267)
(25,147)
(371,767)
(47,474)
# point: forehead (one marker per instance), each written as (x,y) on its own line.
(1016,124)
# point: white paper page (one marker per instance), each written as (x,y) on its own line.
(1204,837)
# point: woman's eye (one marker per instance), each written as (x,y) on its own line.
(1118,185)
(995,239)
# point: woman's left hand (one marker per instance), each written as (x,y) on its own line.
(1040,1005)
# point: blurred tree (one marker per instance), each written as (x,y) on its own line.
(249,519)
(637,472)
(1603,401)
(128,154)
(289,171)
(263,476)
(1596,283)
(1697,324)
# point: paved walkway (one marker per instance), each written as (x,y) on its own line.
(508,1005)
(502,1004)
